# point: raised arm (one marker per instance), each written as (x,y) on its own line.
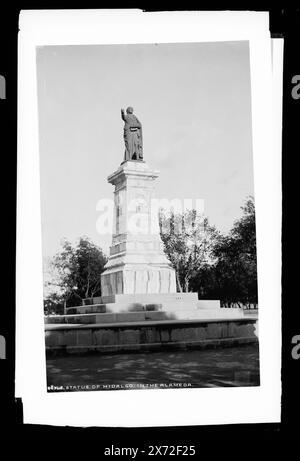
(123,115)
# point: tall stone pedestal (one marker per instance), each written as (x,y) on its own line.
(137,263)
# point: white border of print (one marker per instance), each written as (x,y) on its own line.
(144,407)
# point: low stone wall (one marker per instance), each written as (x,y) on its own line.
(124,337)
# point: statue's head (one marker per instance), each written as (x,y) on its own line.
(129,110)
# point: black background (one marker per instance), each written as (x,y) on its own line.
(284,22)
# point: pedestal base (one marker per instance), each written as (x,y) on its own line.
(138,279)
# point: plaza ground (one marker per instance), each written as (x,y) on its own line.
(220,367)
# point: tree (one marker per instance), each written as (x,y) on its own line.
(236,267)
(53,304)
(214,265)
(188,240)
(76,272)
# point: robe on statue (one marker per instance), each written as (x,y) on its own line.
(132,137)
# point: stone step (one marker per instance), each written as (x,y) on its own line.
(144,298)
(208,304)
(114,308)
(175,305)
(183,314)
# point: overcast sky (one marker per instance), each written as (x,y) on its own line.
(194,103)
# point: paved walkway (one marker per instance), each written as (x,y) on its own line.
(235,366)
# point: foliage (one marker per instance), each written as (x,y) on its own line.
(188,240)
(76,272)
(216,266)
(54,304)
(236,265)
(233,276)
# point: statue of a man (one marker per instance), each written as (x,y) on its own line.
(132,135)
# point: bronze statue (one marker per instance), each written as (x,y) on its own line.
(132,135)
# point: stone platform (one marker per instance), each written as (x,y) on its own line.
(144,302)
(125,310)
(146,298)
(148,335)
(141,322)
(125,322)
(141,316)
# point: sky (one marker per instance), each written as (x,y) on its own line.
(194,102)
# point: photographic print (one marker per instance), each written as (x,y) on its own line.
(148,216)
